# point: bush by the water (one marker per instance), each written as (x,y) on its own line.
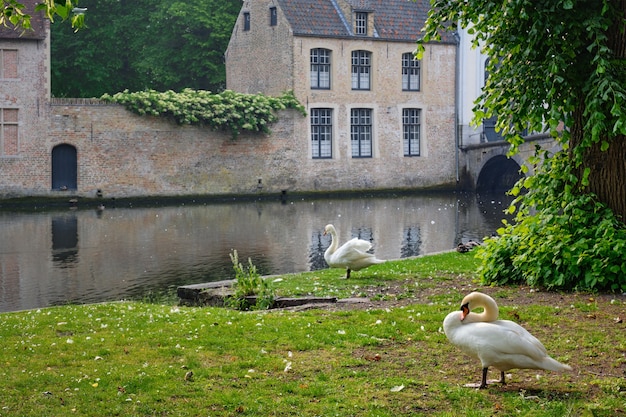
(560,240)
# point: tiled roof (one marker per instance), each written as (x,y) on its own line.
(314,18)
(398,20)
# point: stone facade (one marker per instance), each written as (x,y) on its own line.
(280,56)
(125,155)
(24,94)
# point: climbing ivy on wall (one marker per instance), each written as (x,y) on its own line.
(227,110)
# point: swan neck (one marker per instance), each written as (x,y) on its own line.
(490,311)
(333,241)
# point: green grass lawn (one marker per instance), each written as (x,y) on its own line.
(146,359)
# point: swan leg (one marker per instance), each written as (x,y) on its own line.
(347,273)
(483,383)
(502,378)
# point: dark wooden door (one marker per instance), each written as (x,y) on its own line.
(64,168)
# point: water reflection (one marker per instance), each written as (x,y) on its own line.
(98,255)
(65,240)
(411,242)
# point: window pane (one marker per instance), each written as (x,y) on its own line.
(410,72)
(364,81)
(321,133)
(361,23)
(411,131)
(320,68)
(361,132)
(360,70)
(324,77)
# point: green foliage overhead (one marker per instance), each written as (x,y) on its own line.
(14,13)
(559,67)
(227,110)
(140,44)
(546,60)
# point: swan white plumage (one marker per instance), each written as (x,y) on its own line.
(502,344)
(352,255)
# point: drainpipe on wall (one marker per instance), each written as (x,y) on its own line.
(457,70)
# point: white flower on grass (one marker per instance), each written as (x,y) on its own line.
(341,331)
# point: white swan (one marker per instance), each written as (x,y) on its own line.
(502,344)
(352,255)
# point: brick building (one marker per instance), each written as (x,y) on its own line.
(24,94)
(377,119)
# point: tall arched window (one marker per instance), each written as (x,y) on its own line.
(320,68)
(410,72)
(361,69)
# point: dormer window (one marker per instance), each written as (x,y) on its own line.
(360,23)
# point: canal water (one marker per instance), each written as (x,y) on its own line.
(90,255)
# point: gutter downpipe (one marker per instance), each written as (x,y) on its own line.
(457,95)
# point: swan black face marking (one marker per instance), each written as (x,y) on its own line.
(464,311)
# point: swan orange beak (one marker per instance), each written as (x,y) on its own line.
(464,311)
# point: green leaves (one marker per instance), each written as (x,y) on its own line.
(142,44)
(571,242)
(227,110)
(552,68)
(248,282)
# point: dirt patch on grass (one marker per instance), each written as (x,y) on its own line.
(585,317)
(401,293)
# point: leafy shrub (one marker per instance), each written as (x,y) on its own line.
(248,283)
(560,239)
(227,110)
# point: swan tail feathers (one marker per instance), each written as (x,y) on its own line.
(552,364)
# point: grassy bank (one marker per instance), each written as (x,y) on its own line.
(388,357)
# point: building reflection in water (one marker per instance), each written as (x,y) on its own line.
(129,252)
(411,242)
(65,241)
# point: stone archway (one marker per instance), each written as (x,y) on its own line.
(498,174)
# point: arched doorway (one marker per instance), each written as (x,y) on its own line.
(64,167)
(498,174)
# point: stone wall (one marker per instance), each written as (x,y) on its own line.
(126,155)
(123,154)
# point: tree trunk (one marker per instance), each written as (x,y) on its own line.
(607,177)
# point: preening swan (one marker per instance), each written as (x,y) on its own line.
(352,255)
(502,344)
